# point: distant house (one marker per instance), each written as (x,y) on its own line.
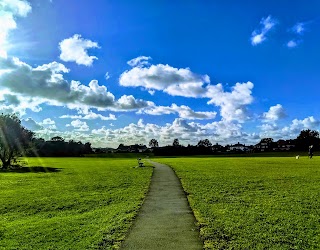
(136,148)
(262,146)
(239,147)
(284,145)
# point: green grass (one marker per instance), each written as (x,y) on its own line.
(253,203)
(75,203)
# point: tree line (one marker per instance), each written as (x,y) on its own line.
(16,140)
(301,143)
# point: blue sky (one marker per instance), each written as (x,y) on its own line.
(113,72)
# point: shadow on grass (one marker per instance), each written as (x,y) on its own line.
(33,169)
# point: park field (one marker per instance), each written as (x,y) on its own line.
(253,203)
(70,203)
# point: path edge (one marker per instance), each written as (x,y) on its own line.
(134,219)
(196,222)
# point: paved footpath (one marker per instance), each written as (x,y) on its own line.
(165,220)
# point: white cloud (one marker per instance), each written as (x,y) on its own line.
(139,61)
(275,113)
(233,105)
(46,84)
(9,9)
(292,44)
(79,125)
(259,35)
(30,124)
(183,82)
(75,49)
(166,78)
(107,76)
(128,102)
(48,121)
(49,124)
(290,131)
(187,132)
(90,116)
(183,111)
(16,103)
(298,28)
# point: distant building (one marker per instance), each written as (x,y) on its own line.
(284,145)
(136,148)
(262,146)
(239,147)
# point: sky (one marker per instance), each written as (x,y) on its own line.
(122,71)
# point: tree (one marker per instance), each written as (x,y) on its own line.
(307,134)
(153,143)
(57,138)
(176,143)
(14,139)
(306,138)
(204,143)
(266,140)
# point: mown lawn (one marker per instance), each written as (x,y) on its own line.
(253,203)
(73,203)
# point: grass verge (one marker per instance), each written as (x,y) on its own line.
(253,203)
(70,203)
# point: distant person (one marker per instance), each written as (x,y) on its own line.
(310,151)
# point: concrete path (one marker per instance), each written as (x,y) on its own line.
(165,220)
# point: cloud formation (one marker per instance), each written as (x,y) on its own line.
(79,125)
(188,133)
(259,35)
(75,49)
(90,116)
(46,84)
(298,29)
(139,61)
(274,114)
(9,10)
(183,82)
(292,44)
(183,111)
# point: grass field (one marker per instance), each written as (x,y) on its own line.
(253,203)
(73,203)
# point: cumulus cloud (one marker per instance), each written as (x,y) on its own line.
(292,44)
(79,125)
(290,131)
(107,76)
(30,124)
(75,49)
(16,103)
(139,61)
(128,102)
(233,105)
(188,133)
(275,113)
(183,82)
(166,78)
(259,35)
(49,123)
(9,10)
(183,112)
(90,116)
(298,28)
(46,84)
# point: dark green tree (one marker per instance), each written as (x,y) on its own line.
(153,143)
(306,138)
(14,139)
(176,142)
(204,143)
